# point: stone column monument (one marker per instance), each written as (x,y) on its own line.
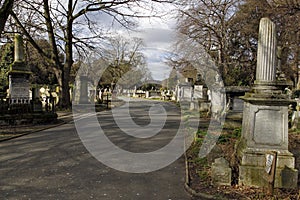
(265,120)
(83,98)
(19,75)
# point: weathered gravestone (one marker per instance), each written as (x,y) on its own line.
(200,100)
(185,91)
(37,104)
(265,119)
(233,94)
(83,98)
(198,92)
(21,110)
(221,172)
(19,75)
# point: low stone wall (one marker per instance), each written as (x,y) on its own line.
(27,118)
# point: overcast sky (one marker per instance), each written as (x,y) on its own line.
(158,34)
(159,37)
(159,43)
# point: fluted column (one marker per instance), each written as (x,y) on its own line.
(266,55)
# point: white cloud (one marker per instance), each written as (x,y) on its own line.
(159,70)
(157,32)
(159,37)
(159,44)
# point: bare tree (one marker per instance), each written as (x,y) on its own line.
(127,64)
(206,23)
(75,25)
(228,31)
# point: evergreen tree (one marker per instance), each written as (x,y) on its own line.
(7,58)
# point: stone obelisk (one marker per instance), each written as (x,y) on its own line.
(265,120)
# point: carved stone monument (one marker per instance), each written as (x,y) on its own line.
(265,119)
(19,75)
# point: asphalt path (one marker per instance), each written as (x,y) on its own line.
(54,163)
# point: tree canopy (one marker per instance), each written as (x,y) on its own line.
(228,31)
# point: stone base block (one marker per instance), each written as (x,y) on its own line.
(252,169)
(252,176)
(255,176)
(258,158)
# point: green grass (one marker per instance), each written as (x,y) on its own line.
(227,137)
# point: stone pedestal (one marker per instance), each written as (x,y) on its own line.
(265,129)
(19,87)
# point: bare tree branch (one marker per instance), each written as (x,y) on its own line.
(5,11)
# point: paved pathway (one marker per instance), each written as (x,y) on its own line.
(54,164)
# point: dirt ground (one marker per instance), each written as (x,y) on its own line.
(200,170)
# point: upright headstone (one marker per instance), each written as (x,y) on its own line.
(19,74)
(198,92)
(36,100)
(265,119)
(218,97)
(83,98)
(184,92)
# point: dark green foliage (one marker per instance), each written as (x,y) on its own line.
(7,57)
(150,86)
(42,69)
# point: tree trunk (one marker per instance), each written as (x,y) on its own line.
(51,36)
(5,12)
(55,53)
(66,100)
(65,90)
